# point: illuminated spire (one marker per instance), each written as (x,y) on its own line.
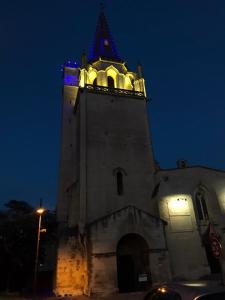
(104,46)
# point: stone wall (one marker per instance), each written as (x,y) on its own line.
(117,137)
(105,235)
(185,231)
(71,276)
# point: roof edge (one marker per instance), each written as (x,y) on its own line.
(192,167)
(124,208)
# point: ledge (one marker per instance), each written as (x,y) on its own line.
(113,91)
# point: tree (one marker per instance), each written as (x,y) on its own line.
(18,237)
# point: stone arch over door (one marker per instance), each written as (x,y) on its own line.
(133,267)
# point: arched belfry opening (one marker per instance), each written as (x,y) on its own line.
(133,269)
(94,82)
(111,83)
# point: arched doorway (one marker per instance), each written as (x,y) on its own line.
(133,270)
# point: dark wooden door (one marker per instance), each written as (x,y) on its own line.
(126,273)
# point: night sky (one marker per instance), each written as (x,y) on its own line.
(181,45)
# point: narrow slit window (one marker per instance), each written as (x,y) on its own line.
(119,177)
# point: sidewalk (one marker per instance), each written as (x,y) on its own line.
(124,296)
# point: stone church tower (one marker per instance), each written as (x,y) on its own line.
(110,236)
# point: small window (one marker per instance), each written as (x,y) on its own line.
(119,178)
(201,206)
(110,82)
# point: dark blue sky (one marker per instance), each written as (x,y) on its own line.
(181,45)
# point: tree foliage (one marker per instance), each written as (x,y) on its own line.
(18,238)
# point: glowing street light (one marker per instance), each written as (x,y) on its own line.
(39,211)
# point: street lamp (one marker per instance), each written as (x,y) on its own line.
(39,211)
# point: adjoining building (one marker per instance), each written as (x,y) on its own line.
(123,222)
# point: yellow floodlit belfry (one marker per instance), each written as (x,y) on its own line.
(104,68)
(112,75)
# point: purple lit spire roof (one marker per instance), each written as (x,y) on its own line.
(104,46)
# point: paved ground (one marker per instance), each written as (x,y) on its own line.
(206,285)
(10,297)
(124,296)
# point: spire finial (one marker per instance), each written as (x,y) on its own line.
(83,59)
(102,6)
(104,46)
(139,70)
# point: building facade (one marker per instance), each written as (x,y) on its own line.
(124,223)
(191,200)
